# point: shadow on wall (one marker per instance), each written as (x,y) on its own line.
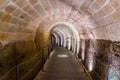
(19,60)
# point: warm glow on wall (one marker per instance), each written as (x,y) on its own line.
(83,49)
(83,55)
(90,65)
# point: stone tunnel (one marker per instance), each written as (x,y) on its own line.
(31,29)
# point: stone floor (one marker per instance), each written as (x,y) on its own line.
(62,65)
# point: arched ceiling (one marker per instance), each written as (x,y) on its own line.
(63,32)
(99,18)
(63,29)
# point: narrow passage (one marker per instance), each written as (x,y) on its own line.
(62,65)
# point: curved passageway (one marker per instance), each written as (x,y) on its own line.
(62,66)
(30,28)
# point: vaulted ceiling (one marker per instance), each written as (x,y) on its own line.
(96,19)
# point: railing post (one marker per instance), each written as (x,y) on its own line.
(17,72)
(16,64)
(84,65)
(42,59)
(49,50)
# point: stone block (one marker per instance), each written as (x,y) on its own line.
(115,4)
(109,19)
(86,4)
(31,11)
(4,26)
(77,3)
(46,6)
(10,8)
(14,20)
(40,10)
(69,2)
(35,14)
(3,36)
(96,6)
(28,8)
(54,6)
(116,16)
(17,12)
(1,15)
(91,10)
(6,17)
(32,2)
(23,16)
(101,2)
(108,9)
(21,3)
(99,14)
(21,23)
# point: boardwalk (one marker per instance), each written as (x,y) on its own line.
(62,65)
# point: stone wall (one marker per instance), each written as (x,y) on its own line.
(20,59)
(7,62)
(102,51)
(114,60)
(42,42)
(102,59)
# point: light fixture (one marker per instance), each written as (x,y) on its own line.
(62,56)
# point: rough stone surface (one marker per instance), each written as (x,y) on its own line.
(18,56)
(106,58)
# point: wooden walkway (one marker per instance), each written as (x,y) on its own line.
(62,65)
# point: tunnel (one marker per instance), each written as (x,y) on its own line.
(85,34)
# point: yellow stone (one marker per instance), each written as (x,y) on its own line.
(101,1)
(27,8)
(108,9)
(115,4)
(2,1)
(1,14)
(3,26)
(14,0)
(17,12)
(33,1)
(6,17)
(96,6)
(116,16)
(23,16)
(10,9)
(14,20)
(21,3)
